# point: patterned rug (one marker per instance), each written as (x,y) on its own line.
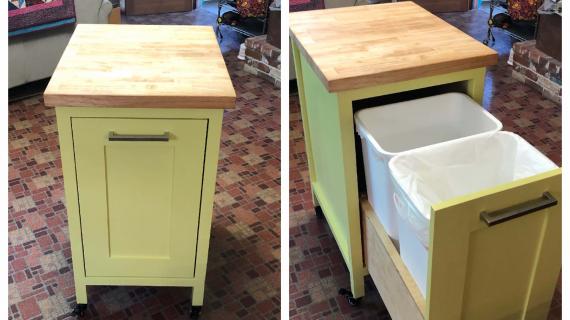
(25,16)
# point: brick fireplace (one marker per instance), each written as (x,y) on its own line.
(537,69)
(263,59)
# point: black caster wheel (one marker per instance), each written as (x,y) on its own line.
(353,301)
(195,312)
(319,212)
(485,42)
(79,310)
(349,297)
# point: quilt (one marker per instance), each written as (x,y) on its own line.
(25,16)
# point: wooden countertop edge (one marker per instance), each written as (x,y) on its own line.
(388,77)
(107,101)
(359,82)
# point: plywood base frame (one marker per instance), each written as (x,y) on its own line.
(398,290)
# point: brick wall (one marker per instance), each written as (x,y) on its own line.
(263,59)
(535,68)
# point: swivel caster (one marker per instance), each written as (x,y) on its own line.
(353,301)
(195,312)
(79,310)
(349,297)
(319,212)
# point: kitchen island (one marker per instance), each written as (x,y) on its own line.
(139,111)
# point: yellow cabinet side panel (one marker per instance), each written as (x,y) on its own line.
(72,203)
(334,182)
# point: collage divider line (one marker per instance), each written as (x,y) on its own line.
(285,160)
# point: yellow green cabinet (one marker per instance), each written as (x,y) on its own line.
(335,69)
(346,55)
(140,166)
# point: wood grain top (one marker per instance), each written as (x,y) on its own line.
(362,46)
(141,66)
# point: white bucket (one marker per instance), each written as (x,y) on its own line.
(389,130)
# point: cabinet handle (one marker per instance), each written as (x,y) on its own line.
(519,210)
(138,137)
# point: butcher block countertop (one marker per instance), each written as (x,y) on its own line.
(363,46)
(141,66)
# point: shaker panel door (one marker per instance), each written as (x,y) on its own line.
(497,254)
(139,185)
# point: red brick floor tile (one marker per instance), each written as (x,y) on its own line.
(29,308)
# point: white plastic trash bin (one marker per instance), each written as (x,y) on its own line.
(389,130)
(441,172)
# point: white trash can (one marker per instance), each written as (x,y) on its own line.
(389,130)
(441,172)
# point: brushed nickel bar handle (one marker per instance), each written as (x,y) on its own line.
(136,137)
(519,210)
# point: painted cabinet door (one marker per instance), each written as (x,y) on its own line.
(139,200)
(496,254)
